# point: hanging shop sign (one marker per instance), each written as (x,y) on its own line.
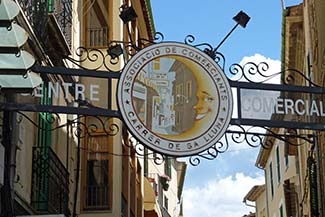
(175,99)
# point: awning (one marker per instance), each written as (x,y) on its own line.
(15,38)
(151,206)
(13,59)
(8,10)
(20,83)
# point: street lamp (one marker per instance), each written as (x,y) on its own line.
(115,50)
(241,19)
(127,13)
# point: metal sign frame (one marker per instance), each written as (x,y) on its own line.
(240,130)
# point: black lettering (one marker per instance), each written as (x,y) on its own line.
(144,132)
(157,141)
(131,114)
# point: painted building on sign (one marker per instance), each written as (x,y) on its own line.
(184,89)
(175,64)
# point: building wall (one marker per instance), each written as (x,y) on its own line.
(127,177)
(277,160)
(314,13)
(303,41)
(261,208)
(165,199)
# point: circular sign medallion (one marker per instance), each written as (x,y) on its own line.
(174,99)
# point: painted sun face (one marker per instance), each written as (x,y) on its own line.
(204,105)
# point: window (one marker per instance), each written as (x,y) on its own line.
(125,179)
(145,163)
(278,168)
(96,22)
(97,177)
(132,182)
(44,131)
(181,93)
(97,183)
(156,64)
(189,89)
(290,195)
(177,93)
(271,180)
(139,194)
(168,167)
(281,211)
(286,156)
(178,118)
(166,202)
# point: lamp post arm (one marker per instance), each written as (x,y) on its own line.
(225,38)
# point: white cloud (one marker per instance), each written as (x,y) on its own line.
(220,197)
(274,67)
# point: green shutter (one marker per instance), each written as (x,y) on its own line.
(312,173)
(145,162)
(271,180)
(278,168)
(281,211)
(44,141)
(169,167)
(45,119)
(50,6)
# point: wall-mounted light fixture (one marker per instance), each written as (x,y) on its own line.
(115,50)
(127,13)
(241,19)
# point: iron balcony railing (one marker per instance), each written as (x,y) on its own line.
(37,12)
(97,197)
(124,207)
(97,37)
(50,182)
(164,212)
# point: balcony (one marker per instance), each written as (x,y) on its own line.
(37,13)
(164,212)
(50,183)
(124,207)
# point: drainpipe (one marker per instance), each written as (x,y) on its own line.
(77,176)
(247,204)
(9,142)
(319,187)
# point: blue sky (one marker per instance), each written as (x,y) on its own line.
(211,21)
(225,180)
